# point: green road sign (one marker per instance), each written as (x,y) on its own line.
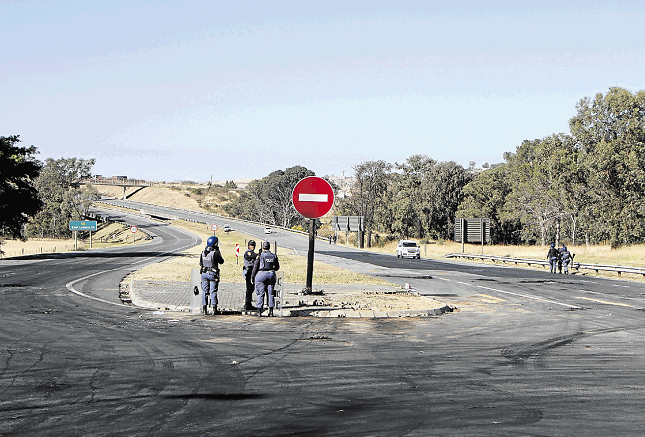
(88,225)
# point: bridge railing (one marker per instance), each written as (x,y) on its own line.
(116,181)
(575,265)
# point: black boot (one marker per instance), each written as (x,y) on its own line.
(215,312)
(270,312)
(205,309)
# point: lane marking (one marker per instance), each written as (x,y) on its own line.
(70,285)
(528,296)
(525,296)
(490,299)
(607,302)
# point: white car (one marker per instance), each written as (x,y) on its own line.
(227,228)
(408,248)
(268,231)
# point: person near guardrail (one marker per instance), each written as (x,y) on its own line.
(264,277)
(565,257)
(553,257)
(249,261)
(209,262)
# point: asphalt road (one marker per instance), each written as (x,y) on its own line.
(527,353)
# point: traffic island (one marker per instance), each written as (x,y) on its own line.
(340,301)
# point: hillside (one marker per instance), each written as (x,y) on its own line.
(189,196)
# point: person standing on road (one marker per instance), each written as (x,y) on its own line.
(264,276)
(209,262)
(247,271)
(552,256)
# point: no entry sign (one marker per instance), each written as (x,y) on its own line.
(313,197)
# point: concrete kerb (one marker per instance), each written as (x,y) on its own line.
(179,296)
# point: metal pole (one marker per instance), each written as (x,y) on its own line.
(463,235)
(481,222)
(310,255)
(75,241)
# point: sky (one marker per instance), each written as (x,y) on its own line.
(201,90)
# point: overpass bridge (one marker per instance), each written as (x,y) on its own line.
(119,181)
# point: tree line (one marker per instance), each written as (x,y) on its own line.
(586,185)
(39,199)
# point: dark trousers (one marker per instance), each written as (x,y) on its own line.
(250,288)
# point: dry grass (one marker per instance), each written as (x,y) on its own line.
(158,195)
(293,266)
(118,234)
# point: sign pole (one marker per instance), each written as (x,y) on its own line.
(75,241)
(310,255)
(463,234)
(312,197)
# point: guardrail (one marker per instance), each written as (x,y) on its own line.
(574,265)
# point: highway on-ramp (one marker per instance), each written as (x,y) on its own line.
(527,353)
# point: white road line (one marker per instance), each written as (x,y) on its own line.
(525,296)
(70,285)
(528,296)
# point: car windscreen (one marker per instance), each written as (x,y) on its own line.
(409,244)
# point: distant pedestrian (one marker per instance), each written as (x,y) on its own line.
(552,257)
(247,271)
(560,252)
(264,276)
(209,262)
(566,258)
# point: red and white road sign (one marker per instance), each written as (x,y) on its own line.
(213,227)
(133,229)
(313,197)
(237,251)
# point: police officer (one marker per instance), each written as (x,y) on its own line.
(209,261)
(566,258)
(247,271)
(264,276)
(553,257)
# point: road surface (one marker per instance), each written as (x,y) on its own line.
(527,353)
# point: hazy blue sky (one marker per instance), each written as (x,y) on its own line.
(172,90)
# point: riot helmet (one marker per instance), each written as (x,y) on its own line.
(266,245)
(252,243)
(212,241)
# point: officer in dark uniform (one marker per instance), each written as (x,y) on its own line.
(264,276)
(209,261)
(247,271)
(553,257)
(566,257)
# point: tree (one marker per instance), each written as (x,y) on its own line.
(18,196)
(536,196)
(413,196)
(369,193)
(269,200)
(445,190)
(63,200)
(486,197)
(610,132)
